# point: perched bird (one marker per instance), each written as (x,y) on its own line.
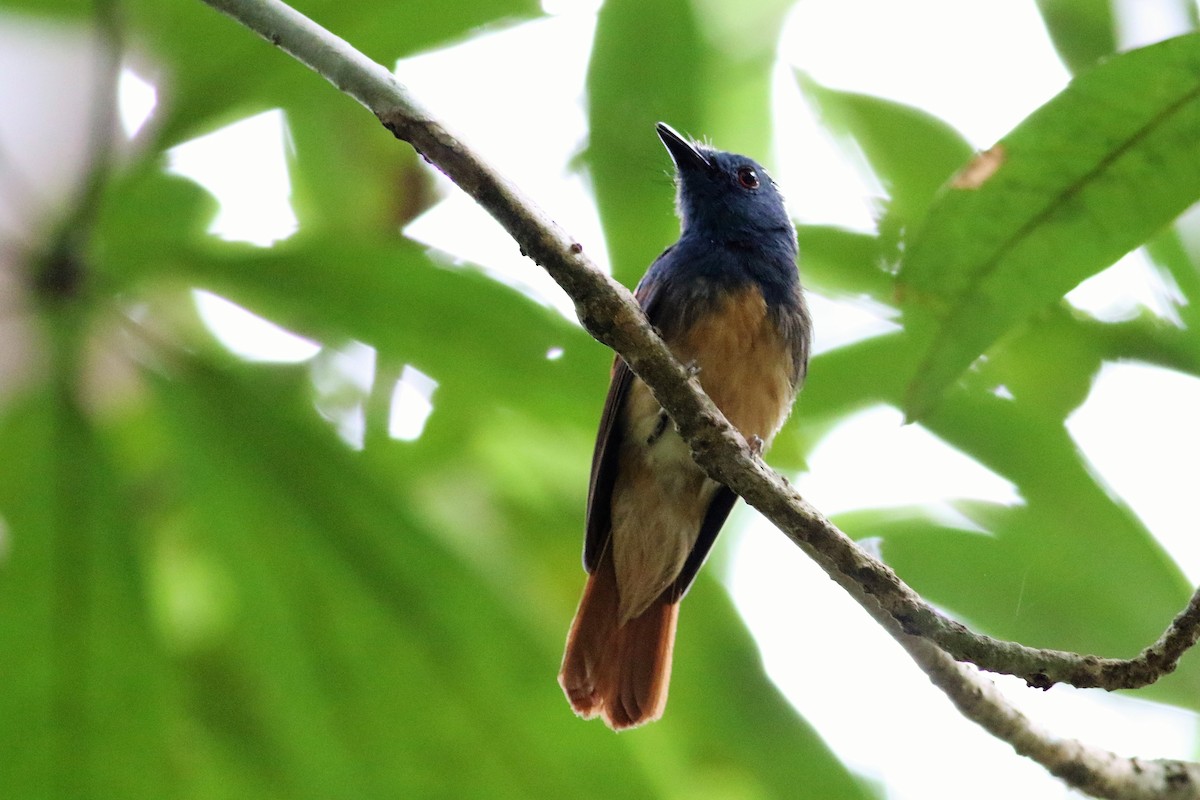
(726,299)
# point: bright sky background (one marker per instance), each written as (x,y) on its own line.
(879,713)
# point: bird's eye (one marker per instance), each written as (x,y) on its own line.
(747,177)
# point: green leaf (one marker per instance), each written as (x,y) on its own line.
(354,624)
(1086,178)
(627,95)
(146,217)
(697,81)
(218,71)
(850,378)
(1083,31)
(336,284)
(85,685)
(1050,364)
(1178,268)
(352,178)
(911,151)
(388,294)
(844,263)
(52,8)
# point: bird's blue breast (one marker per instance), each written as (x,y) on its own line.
(693,278)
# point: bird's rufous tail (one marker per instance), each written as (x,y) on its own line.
(619,672)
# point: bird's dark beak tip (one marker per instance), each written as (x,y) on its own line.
(683,152)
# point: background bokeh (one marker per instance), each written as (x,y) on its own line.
(294,444)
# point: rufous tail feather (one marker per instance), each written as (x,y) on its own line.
(618,672)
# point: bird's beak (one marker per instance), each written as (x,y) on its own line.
(683,153)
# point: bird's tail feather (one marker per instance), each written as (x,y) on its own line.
(619,672)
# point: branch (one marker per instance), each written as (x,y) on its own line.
(1097,772)
(609,312)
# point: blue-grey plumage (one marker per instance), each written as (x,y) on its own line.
(727,298)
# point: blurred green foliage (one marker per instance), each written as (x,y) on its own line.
(205,593)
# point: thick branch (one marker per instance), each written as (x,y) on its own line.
(609,312)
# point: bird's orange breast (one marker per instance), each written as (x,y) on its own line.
(745,362)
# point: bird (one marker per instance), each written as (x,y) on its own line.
(726,299)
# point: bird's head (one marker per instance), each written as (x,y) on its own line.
(723,195)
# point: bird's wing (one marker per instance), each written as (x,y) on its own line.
(714,519)
(608,439)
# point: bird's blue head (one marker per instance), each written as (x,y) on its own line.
(724,196)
